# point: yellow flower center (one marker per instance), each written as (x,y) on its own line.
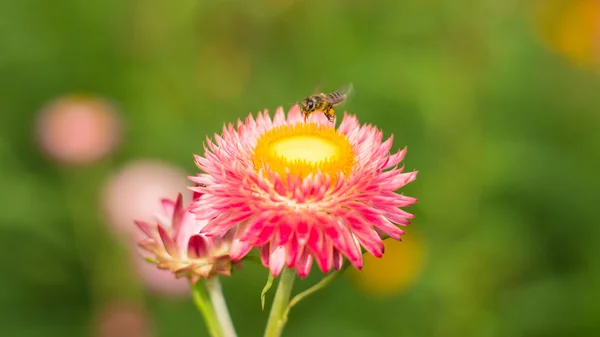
(304,148)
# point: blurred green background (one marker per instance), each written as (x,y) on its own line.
(496,100)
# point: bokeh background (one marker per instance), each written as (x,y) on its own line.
(103,104)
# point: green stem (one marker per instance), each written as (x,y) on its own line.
(203,304)
(322,284)
(220,306)
(280,303)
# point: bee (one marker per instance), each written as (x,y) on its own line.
(324,103)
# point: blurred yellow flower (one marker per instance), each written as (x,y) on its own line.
(571,28)
(399,268)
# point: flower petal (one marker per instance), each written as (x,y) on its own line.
(239,249)
(197,247)
(145,227)
(276,259)
(168,242)
(303,265)
(293,251)
(338,260)
(284,231)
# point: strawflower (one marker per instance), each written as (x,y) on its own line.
(176,245)
(302,191)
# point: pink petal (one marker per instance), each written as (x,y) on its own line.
(387,227)
(397,212)
(168,207)
(395,159)
(315,241)
(369,239)
(360,228)
(197,194)
(277,260)
(265,252)
(279,116)
(284,231)
(303,228)
(197,247)
(338,260)
(293,252)
(219,225)
(303,265)
(368,213)
(255,227)
(146,228)
(400,180)
(348,124)
(295,115)
(398,219)
(325,257)
(393,199)
(239,249)
(168,242)
(340,237)
(358,262)
(177,214)
(265,234)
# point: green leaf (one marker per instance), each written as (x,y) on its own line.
(264,291)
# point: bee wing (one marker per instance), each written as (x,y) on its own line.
(346,89)
(341,95)
(317,89)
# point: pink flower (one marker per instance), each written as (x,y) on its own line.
(91,121)
(176,245)
(300,191)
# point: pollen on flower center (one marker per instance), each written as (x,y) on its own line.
(312,149)
(304,148)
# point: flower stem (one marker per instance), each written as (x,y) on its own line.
(322,284)
(280,303)
(220,306)
(203,304)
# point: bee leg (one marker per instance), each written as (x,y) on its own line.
(330,114)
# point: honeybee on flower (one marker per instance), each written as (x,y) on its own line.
(325,103)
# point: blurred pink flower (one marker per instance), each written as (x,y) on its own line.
(174,244)
(302,190)
(78,129)
(121,319)
(159,281)
(135,191)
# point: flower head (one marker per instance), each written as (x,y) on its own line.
(302,191)
(176,244)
